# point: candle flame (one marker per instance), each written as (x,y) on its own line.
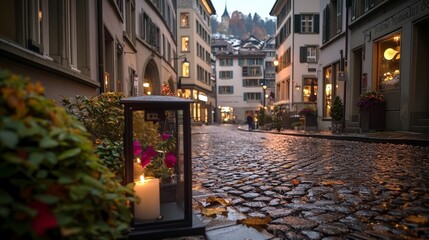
(138,160)
(142,178)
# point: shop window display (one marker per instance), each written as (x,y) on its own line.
(389,52)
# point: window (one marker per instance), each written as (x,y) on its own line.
(130,20)
(389,59)
(226,89)
(308,54)
(361,7)
(225,74)
(251,83)
(307,23)
(225,62)
(251,71)
(185,44)
(184,20)
(327,92)
(310,89)
(252,96)
(332,20)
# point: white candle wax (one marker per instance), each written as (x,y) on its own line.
(148,192)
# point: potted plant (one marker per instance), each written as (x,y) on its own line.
(372,111)
(310,115)
(337,114)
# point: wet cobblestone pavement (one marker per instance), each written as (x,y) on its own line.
(316,188)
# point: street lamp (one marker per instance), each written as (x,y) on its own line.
(264,87)
(184,70)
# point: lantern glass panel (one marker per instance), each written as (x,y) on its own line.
(158,155)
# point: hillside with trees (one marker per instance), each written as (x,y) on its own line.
(242,26)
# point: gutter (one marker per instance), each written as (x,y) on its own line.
(100,36)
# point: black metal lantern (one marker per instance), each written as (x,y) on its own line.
(157,145)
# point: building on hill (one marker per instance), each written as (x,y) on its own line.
(224,22)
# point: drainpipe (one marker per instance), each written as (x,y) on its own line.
(100,35)
(291,89)
(346,52)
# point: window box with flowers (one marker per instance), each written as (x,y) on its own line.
(372,111)
(310,115)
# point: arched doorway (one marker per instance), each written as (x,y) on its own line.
(151,85)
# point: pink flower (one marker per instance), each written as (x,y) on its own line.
(147,155)
(44,219)
(170,160)
(165,136)
(137,148)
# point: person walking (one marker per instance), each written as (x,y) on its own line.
(250,122)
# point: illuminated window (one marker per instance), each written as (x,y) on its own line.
(310,90)
(184,20)
(327,92)
(185,44)
(389,56)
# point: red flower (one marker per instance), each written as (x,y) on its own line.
(44,219)
(137,148)
(165,136)
(147,156)
(170,160)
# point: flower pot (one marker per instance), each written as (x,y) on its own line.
(373,118)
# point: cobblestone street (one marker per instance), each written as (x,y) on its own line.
(316,188)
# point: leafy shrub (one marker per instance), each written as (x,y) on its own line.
(103,117)
(308,111)
(53,184)
(337,110)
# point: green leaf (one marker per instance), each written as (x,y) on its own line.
(12,158)
(41,174)
(5,197)
(8,139)
(36,158)
(69,153)
(48,142)
(49,199)
(51,157)
(65,180)
(92,182)
(79,192)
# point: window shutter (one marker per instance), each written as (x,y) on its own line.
(303,54)
(316,23)
(232,89)
(244,97)
(218,89)
(297,23)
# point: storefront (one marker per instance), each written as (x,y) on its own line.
(388,55)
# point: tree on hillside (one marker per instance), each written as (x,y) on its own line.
(214,23)
(270,27)
(237,26)
(249,23)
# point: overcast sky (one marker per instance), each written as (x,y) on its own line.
(262,7)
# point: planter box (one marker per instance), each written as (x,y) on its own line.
(373,118)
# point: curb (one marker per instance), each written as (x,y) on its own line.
(406,141)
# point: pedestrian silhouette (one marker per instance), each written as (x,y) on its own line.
(250,122)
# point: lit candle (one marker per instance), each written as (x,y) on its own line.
(148,192)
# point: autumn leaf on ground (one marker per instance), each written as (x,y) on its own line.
(332,182)
(254,221)
(295,182)
(212,211)
(214,200)
(417,219)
